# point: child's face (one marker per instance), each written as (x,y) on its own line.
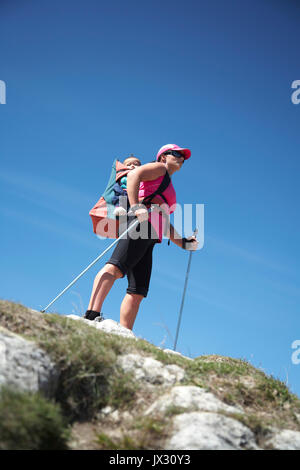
(132,162)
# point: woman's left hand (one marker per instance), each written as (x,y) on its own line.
(190,243)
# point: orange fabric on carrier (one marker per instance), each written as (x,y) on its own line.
(104,221)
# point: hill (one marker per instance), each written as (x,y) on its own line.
(66,383)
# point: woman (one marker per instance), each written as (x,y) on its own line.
(133,257)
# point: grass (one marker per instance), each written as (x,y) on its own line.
(174,410)
(107,443)
(30,422)
(146,433)
(87,359)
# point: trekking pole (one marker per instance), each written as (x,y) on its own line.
(184,291)
(134,224)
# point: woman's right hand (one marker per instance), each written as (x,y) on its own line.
(142,214)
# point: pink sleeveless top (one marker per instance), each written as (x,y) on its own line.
(156,219)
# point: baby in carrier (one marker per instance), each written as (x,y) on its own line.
(120,188)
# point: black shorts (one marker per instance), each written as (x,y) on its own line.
(134,258)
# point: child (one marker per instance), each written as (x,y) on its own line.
(120,188)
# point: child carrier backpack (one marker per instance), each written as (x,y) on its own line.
(105,223)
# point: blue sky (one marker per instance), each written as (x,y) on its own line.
(87,82)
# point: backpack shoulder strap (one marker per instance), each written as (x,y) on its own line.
(162,187)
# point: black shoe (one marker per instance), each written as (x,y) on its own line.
(91,315)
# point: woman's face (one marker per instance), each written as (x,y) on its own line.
(174,162)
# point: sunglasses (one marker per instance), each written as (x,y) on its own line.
(175,153)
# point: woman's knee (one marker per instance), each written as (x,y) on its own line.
(136,298)
(113,270)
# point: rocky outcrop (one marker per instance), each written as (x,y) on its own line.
(150,370)
(209,431)
(190,398)
(108,326)
(285,440)
(196,417)
(24,366)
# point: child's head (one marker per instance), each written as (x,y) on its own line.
(132,162)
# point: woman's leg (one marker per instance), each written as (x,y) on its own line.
(138,285)
(126,253)
(129,309)
(103,282)
(131,257)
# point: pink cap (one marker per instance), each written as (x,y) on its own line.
(186,152)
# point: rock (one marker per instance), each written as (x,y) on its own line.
(115,416)
(170,351)
(190,398)
(106,410)
(109,326)
(209,431)
(127,416)
(24,366)
(285,440)
(74,317)
(150,370)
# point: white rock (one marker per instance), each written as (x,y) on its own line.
(106,410)
(150,370)
(191,398)
(285,440)
(111,326)
(126,416)
(115,416)
(74,317)
(170,351)
(209,431)
(25,366)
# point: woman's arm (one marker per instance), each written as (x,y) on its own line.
(190,243)
(175,237)
(148,172)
